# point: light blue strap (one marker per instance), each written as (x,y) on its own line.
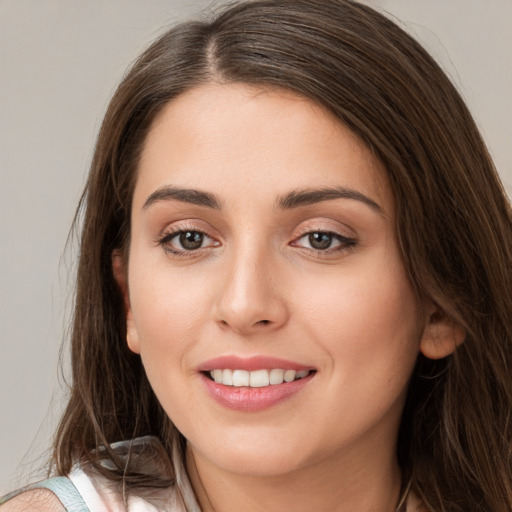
(62,487)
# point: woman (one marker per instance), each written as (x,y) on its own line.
(293,288)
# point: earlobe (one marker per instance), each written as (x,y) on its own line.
(132,336)
(121,276)
(441,335)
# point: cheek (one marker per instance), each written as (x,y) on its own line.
(168,314)
(367,319)
(168,310)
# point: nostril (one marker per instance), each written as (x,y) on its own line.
(263,322)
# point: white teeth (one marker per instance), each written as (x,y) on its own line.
(240,378)
(289,375)
(257,378)
(227,377)
(276,376)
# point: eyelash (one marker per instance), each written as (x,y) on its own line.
(345,243)
(167,238)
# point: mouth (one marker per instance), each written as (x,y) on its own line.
(256,378)
(254,384)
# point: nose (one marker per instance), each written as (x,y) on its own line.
(252,296)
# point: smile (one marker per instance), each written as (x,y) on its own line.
(256,378)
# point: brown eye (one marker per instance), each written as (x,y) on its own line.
(184,242)
(191,240)
(324,242)
(320,241)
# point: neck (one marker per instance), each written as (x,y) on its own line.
(341,484)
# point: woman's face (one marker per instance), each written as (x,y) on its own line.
(262,250)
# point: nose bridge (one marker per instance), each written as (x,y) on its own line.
(250,298)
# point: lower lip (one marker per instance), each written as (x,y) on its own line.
(254,399)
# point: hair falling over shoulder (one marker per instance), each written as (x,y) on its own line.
(454,227)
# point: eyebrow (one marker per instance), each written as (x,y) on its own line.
(292,200)
(305,197)
(186,195)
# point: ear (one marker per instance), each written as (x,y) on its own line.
(441,335)
(120,271)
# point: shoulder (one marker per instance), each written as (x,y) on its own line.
(35,500)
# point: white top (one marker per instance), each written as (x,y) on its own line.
(101,495)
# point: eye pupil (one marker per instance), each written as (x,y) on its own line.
(191,240)
(320,240)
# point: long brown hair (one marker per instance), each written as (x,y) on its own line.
(453,225)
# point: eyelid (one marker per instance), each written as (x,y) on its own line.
(345,240)
(344,243)
(325,225)
(185,225)
(165,237)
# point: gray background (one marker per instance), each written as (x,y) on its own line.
(59,64)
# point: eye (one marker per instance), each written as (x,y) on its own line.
(324,241)
(183,241)
(320,241)
(190,240)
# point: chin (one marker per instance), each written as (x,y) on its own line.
(255,460)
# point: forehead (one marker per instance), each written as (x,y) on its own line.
(220,134)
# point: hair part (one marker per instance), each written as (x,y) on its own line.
(453,226)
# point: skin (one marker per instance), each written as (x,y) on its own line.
(38,500)
(256,286)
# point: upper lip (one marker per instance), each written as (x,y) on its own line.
(250,363)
